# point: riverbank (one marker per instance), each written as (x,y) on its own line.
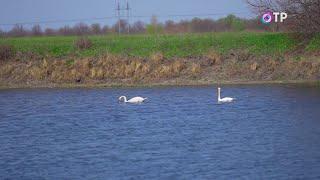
(142,60)
(165,84)
(118,71)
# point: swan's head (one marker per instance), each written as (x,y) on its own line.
(219,88)
(121,98)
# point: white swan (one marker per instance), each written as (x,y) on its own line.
(132,100)
(224,100)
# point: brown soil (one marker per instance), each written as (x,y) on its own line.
(110,70)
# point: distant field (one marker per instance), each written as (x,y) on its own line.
(170,45)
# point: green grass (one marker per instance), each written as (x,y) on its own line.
(314,44)
(170,45)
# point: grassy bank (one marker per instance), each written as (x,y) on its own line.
(144,60)
(170,45)
(131,71)
(303,83)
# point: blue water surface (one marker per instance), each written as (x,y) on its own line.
(270,132)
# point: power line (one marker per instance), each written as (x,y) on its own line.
(119,10)
(120,16)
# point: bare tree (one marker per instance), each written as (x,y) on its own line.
(17,31)
(66,30)
(171,27)
(138,27)
(81,29)
(184,26)
(2,33)
(154,27)
(36,30)
(105,29)
(95,28)
(303,14)
(123,26)
(49,32)
(259,6)
(202,25)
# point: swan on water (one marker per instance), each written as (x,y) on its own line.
(225,99)
(132,100)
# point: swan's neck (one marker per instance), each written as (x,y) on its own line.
(124,98)
(219,96)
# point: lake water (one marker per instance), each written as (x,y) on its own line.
(270,132)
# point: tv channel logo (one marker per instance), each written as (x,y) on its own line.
(269,17)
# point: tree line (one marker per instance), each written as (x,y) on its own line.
(303,17)
(196,25)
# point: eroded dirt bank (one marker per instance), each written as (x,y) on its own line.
(110,70)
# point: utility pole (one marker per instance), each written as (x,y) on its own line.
(128,16)
(117,2)
(120,8)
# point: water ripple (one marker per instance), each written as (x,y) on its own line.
(270,132)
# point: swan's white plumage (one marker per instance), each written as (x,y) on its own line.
(132,100)
(225,99)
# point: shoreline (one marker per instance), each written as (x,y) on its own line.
(109,71)
(161,84)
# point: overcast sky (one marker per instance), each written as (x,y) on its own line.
(19,11)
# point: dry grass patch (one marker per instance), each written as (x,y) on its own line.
(83,66)
(6,70)
(157,58)
(254,66)
(177,66)
(37,73)
(195,69)
(96,73)
(146,68)
(164,71)
(214,58)
(45,63)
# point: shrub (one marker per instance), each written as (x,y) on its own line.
(6,52)
(83,43)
